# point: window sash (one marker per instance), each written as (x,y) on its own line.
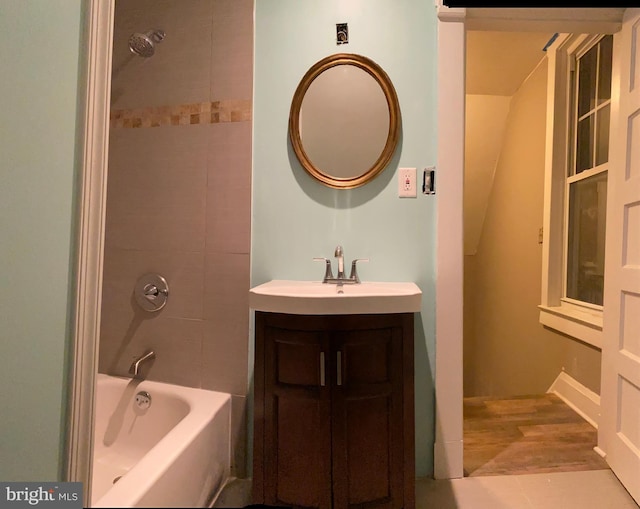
(576,55)
(573,175)
(587,174)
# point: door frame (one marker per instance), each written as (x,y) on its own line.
(93,149)
(452,26)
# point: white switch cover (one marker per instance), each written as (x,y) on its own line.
(407,183)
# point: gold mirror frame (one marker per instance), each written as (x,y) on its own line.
(394,119)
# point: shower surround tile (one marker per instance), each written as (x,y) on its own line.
(172,232)
(174,74)
(164,160)
(226,295)
(229,189)
(176,341)
(226,311)
(224,357)
(156,195)
(232,49)
(208,112)
(184,272)
(179,196)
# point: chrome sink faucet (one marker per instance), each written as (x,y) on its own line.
(136,365)
(339,254)
(341,277)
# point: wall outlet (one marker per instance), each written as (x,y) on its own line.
(407,187)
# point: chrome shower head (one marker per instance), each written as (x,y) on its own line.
(144,44)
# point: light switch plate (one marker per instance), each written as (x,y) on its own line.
(407,187)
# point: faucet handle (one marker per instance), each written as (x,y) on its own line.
(354,271)
(328,273)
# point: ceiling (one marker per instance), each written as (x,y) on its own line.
(498,62)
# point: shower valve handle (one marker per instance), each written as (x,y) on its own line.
(151,291)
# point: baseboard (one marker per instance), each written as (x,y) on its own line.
(600,452)
(448,460)
(584,401)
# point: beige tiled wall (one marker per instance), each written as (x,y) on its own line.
(180,71)
(179,196)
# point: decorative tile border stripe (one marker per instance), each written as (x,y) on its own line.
(212,112)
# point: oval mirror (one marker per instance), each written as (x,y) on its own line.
(344,121)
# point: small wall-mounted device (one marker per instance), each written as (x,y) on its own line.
(407,183)
(342,33)
(429,180)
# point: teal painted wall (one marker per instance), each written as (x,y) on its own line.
(296,218)
(40,52)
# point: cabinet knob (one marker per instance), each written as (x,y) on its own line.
(322,373)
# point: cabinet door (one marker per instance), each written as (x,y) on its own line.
(367,416)
(297,433)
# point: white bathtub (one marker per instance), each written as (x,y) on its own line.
(176,453)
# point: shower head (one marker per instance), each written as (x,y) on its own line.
(144,44)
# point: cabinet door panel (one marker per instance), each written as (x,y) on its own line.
(367,429)
(367,363)
(367,419)
(298,362)
(302,457)
(297,420)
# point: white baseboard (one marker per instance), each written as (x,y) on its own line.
(600,451)
(584,401)
(448,460)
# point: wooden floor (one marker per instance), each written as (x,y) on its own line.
(526,435)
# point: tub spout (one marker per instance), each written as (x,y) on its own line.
(135,366)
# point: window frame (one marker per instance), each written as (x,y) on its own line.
(580,320)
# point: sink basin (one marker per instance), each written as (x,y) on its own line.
(317,298)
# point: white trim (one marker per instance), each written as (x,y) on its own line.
(91,215)
(518,19)
(449,14)
(581,325)
(556,155)
(449,250)
(581,399)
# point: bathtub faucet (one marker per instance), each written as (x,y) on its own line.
(135,366)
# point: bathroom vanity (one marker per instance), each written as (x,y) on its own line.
(333,402)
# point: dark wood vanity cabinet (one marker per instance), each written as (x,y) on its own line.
(333,411)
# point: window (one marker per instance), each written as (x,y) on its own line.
(587,176)
(580,69)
